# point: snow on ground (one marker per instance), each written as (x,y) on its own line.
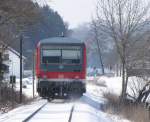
(135,84)
(27,86)
(86,113)
(114,84)
(20,113)
(54,112)
(108,84)
(95,93)
(87,109)
(115,118)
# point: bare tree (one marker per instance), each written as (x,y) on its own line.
(15,15)
(17,12)
(121,20)
(96,38)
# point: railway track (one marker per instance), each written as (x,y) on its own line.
(32,115)
(57,110)
(71,113)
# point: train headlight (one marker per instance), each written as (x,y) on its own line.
(44,76)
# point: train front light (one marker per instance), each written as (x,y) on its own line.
(44,76)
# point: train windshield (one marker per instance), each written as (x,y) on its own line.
(51,56)
(71,56)
(61,56)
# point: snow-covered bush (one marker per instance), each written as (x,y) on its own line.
(127,109)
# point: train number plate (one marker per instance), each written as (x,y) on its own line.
(60,76)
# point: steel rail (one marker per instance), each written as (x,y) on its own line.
(71,113)
(34,113)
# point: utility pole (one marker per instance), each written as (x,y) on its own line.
(33,73)
(21,38)
(0,66)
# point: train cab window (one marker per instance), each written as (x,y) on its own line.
(71,56)
(51,56)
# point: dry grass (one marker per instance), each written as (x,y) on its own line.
(128,109)
(11,99)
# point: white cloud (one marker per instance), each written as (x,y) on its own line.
(74,11)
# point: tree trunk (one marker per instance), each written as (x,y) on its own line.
(142,93)
(117,70)
(146,96)
(100,54)
(120,70)
(1,74)
(100,57)
(123,73)
(123,81)
(126,82)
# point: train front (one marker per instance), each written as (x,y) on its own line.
(60,68)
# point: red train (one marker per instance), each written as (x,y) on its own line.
(60,67)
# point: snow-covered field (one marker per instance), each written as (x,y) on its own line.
(114,85)
(27,86)
(87,109)
(108,84)
(96,93)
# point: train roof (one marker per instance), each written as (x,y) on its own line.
(60,40)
